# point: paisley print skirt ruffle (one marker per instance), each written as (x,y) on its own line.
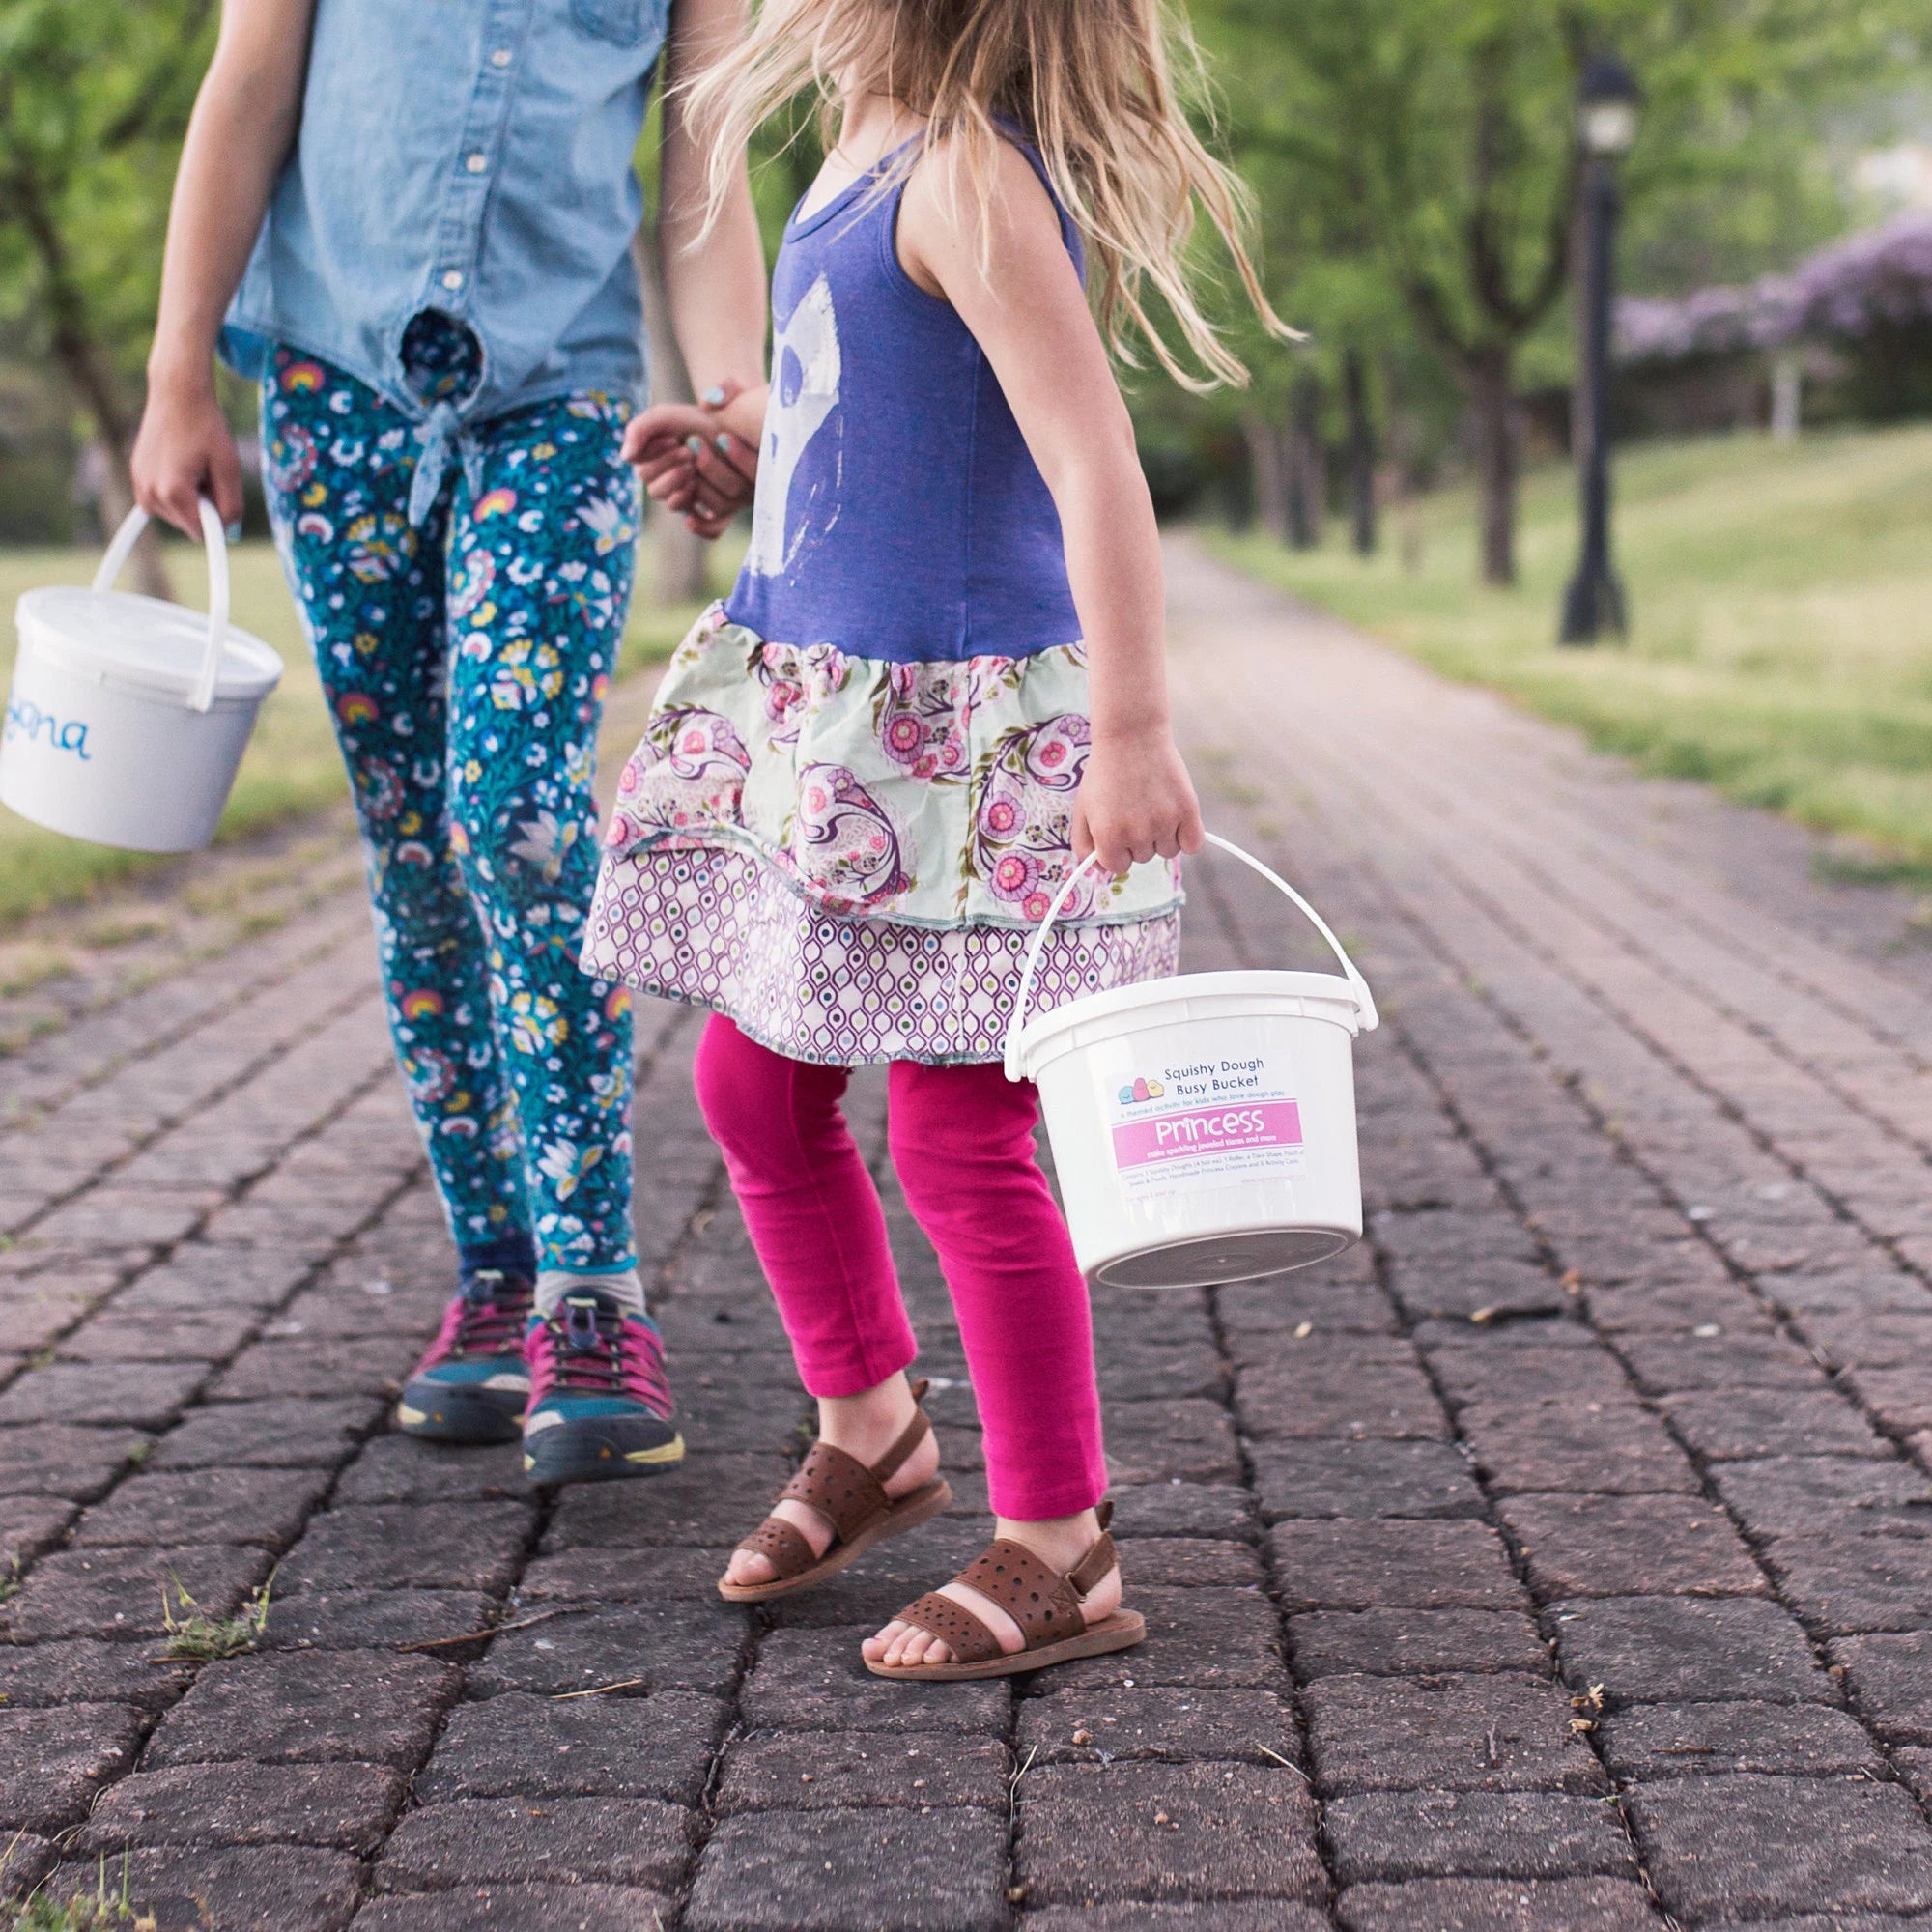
(848,856)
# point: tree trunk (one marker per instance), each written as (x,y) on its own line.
(85,366)
(679,557)
(1492,416)
(1307,464)
(1361,453)
(1267,466)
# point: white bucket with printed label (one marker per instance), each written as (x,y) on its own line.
(128,716)
(1203,1126)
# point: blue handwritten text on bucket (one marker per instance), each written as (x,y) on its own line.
(26,720)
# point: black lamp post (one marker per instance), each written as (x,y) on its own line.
(1606,107)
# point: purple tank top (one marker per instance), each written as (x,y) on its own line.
(899,514)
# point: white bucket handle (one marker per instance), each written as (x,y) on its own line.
(1365,1001)
(214,540)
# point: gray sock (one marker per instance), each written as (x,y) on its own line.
(554,1284)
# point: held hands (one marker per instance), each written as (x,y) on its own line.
(694,458)
(1135,800)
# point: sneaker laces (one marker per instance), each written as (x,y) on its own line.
(598,1351)
(491,1318)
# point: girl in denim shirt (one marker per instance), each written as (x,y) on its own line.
(413,224)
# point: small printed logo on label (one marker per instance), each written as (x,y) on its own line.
(26,720)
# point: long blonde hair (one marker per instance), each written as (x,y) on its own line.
(1100,87)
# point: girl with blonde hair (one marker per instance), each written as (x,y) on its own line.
(935,688)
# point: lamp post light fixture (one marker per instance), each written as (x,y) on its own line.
(1608,99)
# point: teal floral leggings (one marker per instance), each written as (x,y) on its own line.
(465,665)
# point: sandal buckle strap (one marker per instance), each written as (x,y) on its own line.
(1093,1566)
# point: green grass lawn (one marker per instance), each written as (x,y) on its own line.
(1782,619)
(291,765)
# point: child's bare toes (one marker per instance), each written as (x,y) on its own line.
(748,1567)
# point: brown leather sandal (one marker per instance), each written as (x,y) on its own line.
(1045,1604)
(852,1499)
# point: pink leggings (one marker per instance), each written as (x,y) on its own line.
(961,1139)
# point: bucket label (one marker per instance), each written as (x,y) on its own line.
(26,720)
(1204,1121)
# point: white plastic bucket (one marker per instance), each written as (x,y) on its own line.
(128,716)
(1203,1126)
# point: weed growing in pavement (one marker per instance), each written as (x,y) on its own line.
(193,1636)
(10,1584)
(87,1912)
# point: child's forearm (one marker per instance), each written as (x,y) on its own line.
(715,287)
(244,124)
(1113,567)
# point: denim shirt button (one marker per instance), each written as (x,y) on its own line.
(500,58)
(452,278)
(476,164)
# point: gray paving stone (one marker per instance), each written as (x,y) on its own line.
(1100,1727)
(1656,1741)
(250,1888)
(1344,1387)
(1889,1677)
(1254,1312)
(25,1859)
(1731,1425)
(707,1501)
(402,1469)
(277,1435)
(117,1593)
(1674,1649)
(1797,1495)
(1216,1510)
(30,1527)
(1604,1448)
(1520,1367)
(132,1395)
(1663,1364)
(1848,1583)
(815,1679)
(825,1871)
(1301,1480)
(451,1545)
(87,1670)
(54,1761)
(1628,1546)
(677,1646)
(312,1707)
(149,1338)
(1745,1847)
(328,1619)
(632,1842)
(1361,1566)
(806,1771)
(1226,1914)
(523,1746)
(1490,1905)
(1088,1834)
(1526,1835)
(1131,1370)
(1489,1733)
(587,1575)
(1207,1638)
(1190,1563)
(57,1458)
(1380,1642)
(1162,1441)
(520,1908)
(265,1506)
(352,1805)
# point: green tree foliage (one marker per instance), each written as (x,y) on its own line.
(94,100)
(1418,164)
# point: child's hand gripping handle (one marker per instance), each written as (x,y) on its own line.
(214,540)
(1365,1001)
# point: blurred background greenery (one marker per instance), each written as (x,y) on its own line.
(1415,170)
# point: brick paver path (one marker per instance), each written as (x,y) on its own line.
(1558,1561)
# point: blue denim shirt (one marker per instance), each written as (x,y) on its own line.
(472,157)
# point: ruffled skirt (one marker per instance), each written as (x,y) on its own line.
(848,857)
